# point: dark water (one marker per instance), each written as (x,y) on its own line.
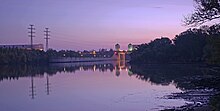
(103,86)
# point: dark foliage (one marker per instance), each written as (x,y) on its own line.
(205,10)
(158,50)
(24,56)
(192,46)
(19,56)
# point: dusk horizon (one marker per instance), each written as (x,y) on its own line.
(92,24)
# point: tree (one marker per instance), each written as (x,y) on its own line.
(189,45)
(157,51)
(205,10)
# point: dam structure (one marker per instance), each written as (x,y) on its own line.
(119,55)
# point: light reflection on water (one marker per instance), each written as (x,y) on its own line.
(85,87)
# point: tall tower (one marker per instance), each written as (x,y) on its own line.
(130,47)
(31,34)
(47,37)
(117,47)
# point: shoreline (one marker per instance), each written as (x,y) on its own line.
(196,100)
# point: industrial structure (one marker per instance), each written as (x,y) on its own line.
(124,54)
(28,47)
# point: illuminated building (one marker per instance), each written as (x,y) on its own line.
(130,47)
(117,47)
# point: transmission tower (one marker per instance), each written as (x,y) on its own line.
(31,34)
(47,37)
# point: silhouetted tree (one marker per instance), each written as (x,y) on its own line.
(157,51)
(20,56)
(189,45)
(212,48)
(205,10)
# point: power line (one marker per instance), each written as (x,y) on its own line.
(76,37)
(31,32)
(47,37)
(81,41)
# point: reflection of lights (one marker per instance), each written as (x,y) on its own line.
(64,69)
(104,55)
(81,55)
(94,67)
(64,55)
(94,55)
(80,68)
(104,65)
(126,69)
(120,69)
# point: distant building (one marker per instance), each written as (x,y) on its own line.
(117,47)
(35,46)
(132,47)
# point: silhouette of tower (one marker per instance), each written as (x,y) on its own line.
(47,37)
(31,34)
(48,85)
(33,92)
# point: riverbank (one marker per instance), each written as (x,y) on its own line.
(197,100)
(200,83)
(203,96)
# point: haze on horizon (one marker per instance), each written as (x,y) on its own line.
(92,24)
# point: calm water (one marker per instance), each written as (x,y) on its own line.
(81,87)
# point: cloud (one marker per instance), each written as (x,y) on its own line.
(158,7)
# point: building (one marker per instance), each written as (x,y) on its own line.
(117,47)
(132,47)
(35,46)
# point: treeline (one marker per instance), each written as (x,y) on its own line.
(191,46)
(85,53)
(19,56)
(24,56)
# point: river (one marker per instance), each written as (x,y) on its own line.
(95,86)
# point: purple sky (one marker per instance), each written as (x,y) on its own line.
(92,24)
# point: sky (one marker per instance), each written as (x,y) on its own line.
(92,24)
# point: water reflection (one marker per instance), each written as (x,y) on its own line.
(180,74)
(97,85)
(185,76)
(14,72)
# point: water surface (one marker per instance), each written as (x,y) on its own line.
(82,87)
